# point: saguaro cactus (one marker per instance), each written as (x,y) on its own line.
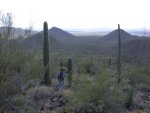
(109,62)
(70,72)
(46,54)
(119,55)
(61,65)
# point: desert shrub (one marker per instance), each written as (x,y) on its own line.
(18,101)
(73,102)
(33,67)
(138,75)
(135,79)
(17,69)
(88,66)
(81,81)
(28,109)
(38,95)
(5,89)
(8,90)
(128,91)
(98,97)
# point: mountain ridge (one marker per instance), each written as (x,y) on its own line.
(56,32)
(113,36)
(18,31)
(36,42)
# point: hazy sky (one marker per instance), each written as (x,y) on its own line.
(81,14)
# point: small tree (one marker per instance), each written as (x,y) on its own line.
(6,21)
(28,31)
(46,54)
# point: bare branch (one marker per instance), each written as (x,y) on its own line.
(28,30)
(6,21)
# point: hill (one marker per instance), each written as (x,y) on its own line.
(59,33)
(137,51)
(57,38)
(113,36)
(36,42)
(106,44)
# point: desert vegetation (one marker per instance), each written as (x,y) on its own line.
(98,81)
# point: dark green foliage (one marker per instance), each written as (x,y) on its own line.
(89,68)
(139,76)
(119,55)
(109,62)
(69,65)
(86,66)
(129,97)
(46,54)
(69,72)
(61,64)
(99,96)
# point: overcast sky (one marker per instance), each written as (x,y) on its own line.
(79,14)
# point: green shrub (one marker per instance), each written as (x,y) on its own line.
(99,96)
(87,66)
(70,72)
(18,101)
(138,75)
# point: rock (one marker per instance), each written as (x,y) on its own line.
(42,107)
(142,100)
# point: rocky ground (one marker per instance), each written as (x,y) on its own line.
(40,99)
(44,99)
(142,100)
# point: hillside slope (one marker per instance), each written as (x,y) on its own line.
(36,42)
(59,33)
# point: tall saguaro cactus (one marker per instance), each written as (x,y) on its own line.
(70,72)
(119,55)
(46,54)
(61,65)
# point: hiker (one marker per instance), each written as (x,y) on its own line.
(61,77)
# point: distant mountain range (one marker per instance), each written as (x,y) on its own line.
(134,48)
(106,43)
(17,31)
(36,42)
(103,32)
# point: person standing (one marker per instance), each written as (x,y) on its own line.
(61,78)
